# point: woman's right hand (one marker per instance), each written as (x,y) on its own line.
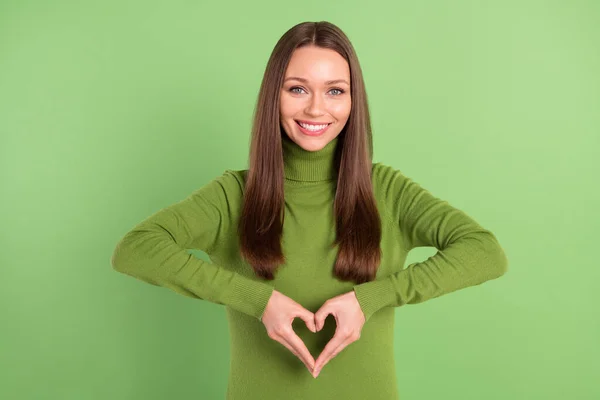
(279,314)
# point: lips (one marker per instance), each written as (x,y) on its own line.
(313,133)
(312,122)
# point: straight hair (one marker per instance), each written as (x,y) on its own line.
(358,224)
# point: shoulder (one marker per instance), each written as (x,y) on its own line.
(233,179)
(229,181)
(222,191)
(384,176)
(393,187)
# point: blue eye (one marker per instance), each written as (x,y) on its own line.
(341,91)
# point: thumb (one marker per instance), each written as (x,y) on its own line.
(309,319)
(320,316)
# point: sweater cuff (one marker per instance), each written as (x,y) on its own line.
(248,295)
(374,295)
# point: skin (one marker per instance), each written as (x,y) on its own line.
(281,311)
(314,100)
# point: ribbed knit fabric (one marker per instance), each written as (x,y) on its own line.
(154,251)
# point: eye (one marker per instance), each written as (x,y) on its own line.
(295,87)
(341,91)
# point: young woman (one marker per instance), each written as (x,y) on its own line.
(312,229)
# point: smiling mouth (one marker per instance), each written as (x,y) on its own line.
(314,132)
(313,123)
(324,123)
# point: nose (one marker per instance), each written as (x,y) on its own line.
(315,106)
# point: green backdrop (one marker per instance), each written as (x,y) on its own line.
(111,110)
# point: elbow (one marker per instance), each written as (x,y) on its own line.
(493,261)
(123,255)
(130,257)
(502,266)
(126,256)
(117,260)
(498,262)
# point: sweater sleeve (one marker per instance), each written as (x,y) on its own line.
(467,254)
(154,251)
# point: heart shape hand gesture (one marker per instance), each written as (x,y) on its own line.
(349,320)
(278,317)
(281,311)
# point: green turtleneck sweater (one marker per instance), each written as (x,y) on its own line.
(154,251)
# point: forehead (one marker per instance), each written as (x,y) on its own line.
(317,65)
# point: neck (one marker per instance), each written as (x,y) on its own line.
(308,166)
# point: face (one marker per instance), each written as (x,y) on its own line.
(308,97)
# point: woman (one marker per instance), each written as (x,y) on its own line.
(312,230)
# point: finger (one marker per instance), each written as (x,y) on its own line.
(308,318)
(322,314)
(319,367)
(327,352)
(293,351)
(298,345)
(342,346)
(303,354)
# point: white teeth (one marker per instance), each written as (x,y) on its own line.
(312,127)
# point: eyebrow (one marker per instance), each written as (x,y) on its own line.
(327,83)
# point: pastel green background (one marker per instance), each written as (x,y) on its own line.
(111,110)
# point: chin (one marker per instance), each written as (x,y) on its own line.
(311,147)
(313,144)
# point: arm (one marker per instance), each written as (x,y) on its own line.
(467,255)
(154,251)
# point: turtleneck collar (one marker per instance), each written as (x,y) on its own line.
(308,166)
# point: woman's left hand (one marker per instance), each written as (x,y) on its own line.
(349,320)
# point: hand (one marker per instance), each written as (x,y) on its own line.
(278,317)
(349,320)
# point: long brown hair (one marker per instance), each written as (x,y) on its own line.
(358,225)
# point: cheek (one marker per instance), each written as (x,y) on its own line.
(341,110)
(286,108)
